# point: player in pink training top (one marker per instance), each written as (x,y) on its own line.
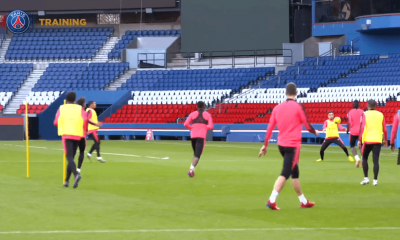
(201,122)
(394,138)
(353,126)
(289,116)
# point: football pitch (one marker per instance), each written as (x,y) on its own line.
(140,194)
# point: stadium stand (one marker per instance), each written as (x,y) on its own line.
(178,97)
(4,98)
(201,79)
(324,84)
(131,35)
(331,85)
(60,77)
(164,96)
(165,106)
(312,73)
(54,44)
(157,113)
(32,109)
(11,78)
(175,89)
(13,75)
(79,76)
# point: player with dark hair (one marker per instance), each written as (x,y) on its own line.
(332,136)
(71,122)
(289,116)
(82,143)
(199,122)
(93,132)
(353,126)
(373,127)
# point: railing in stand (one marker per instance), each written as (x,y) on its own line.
(354,41)
(209,58)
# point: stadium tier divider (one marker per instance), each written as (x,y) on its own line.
(130,35)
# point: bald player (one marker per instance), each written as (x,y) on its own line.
(353,126)
(372,133)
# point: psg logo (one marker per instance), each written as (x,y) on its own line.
(18,21)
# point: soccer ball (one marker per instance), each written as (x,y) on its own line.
(337,120)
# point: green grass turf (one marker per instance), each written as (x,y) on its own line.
(225,200)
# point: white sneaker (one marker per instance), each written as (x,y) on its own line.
(365,182)
(375,182)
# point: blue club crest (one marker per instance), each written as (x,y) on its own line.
(18,21)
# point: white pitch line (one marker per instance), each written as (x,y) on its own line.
(198,230)
(115,154)
(120,154)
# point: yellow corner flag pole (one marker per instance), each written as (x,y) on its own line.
(64,162)
(27,139)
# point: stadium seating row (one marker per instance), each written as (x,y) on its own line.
(325,71)
(236,113)
(162,80)
(181,93)
(32,109)
(58,44)
(79,76)
(165,113)
(13,75)
(178,97)
(5,97)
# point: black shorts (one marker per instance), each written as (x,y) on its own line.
(353,139)
(291,157)
(198,146)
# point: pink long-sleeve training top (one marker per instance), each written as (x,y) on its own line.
(395,127)
(199,130)
(354,117)
(289,116)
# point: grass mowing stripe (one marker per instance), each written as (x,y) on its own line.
(199,230)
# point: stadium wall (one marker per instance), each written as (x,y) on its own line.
(124,98)
(376,43)
(382,34)
(12,128)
